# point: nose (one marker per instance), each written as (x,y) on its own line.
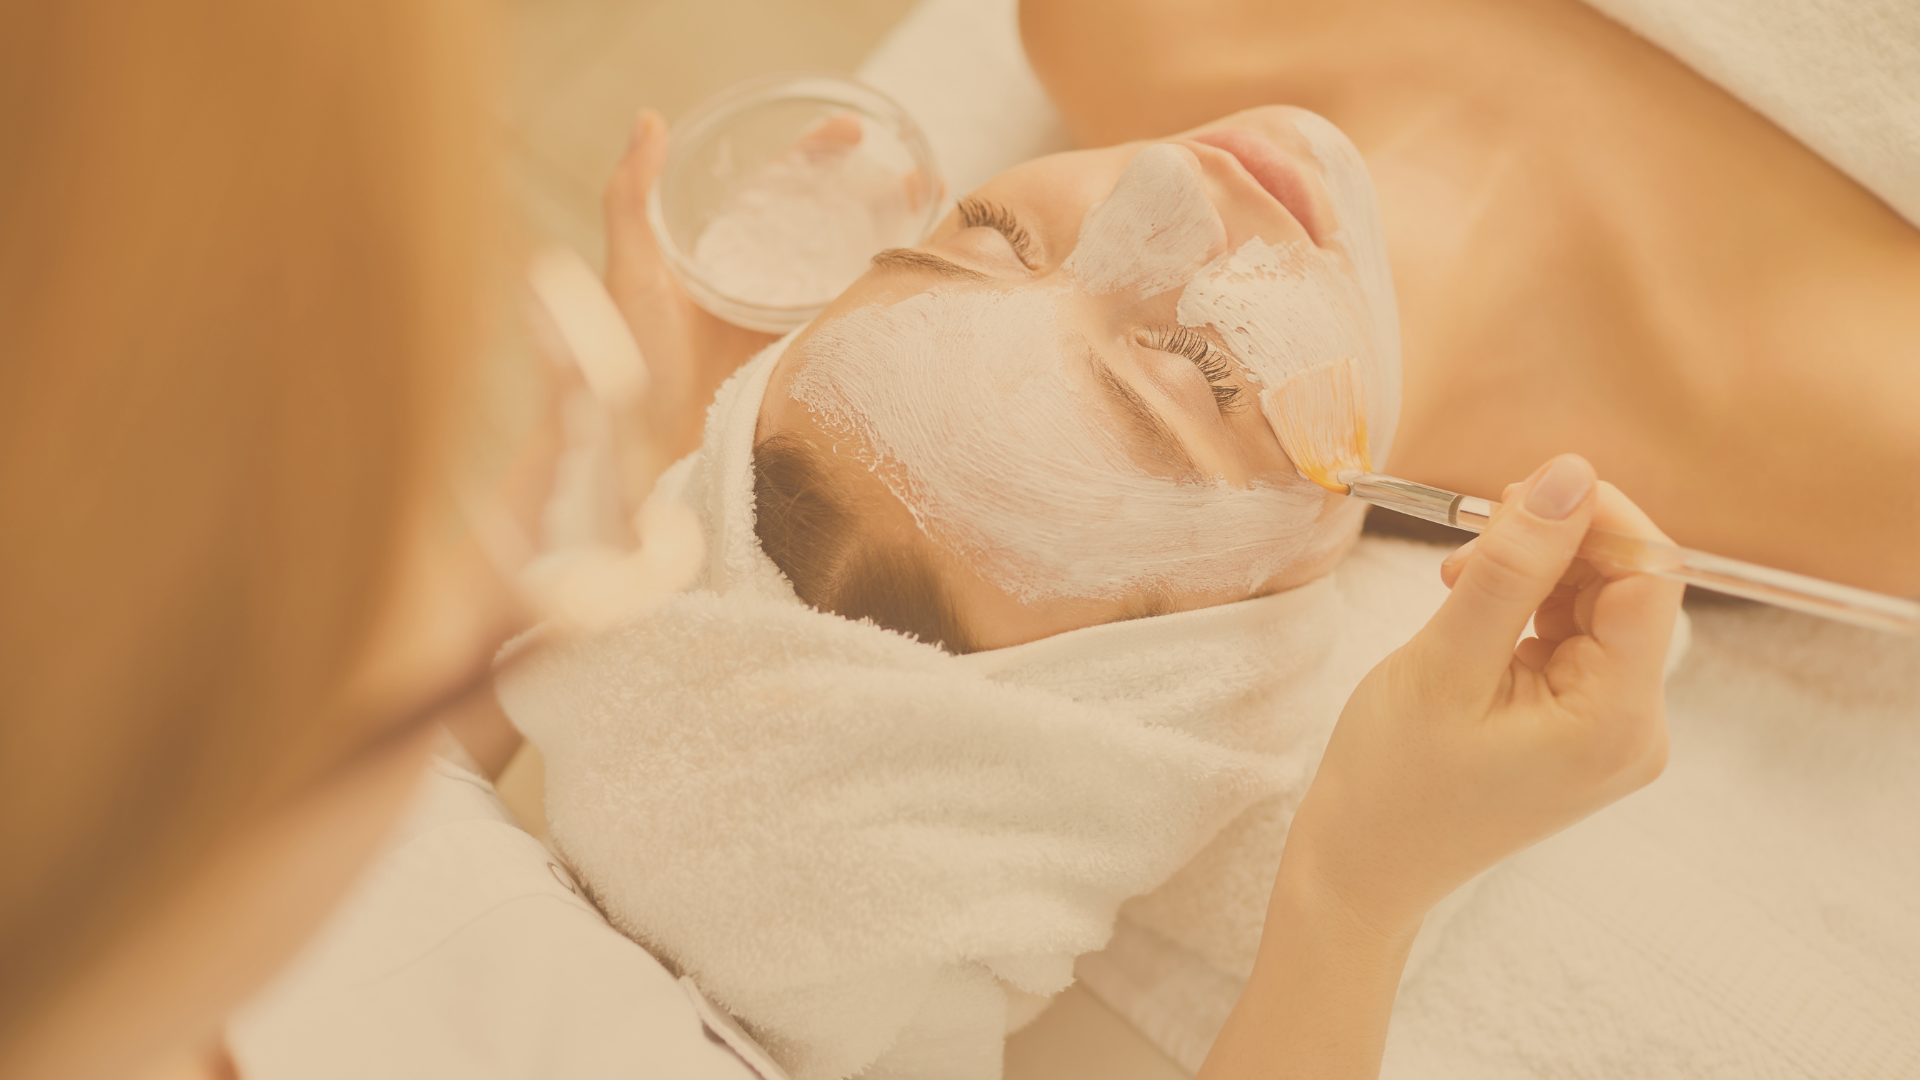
(1153,232)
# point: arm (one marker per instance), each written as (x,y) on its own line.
(1455,752)
(689,353)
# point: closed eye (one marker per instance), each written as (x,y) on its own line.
(978,213)
(1182,341)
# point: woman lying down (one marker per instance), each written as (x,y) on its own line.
(1015,611)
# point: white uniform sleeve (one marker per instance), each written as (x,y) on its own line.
(468,952)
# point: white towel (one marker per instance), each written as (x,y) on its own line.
(958,68)
(1842,76)
(880,857)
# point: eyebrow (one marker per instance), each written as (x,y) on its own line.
(901,260)
(1146,424)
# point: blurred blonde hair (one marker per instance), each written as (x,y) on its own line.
(238,273)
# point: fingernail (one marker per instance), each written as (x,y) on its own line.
(1556,494)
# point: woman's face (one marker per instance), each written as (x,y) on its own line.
(1063,388)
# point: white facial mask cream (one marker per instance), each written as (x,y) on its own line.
(981,411)
(1292,308)
(1152,233)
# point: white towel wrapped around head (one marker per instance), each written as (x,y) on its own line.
(881,857)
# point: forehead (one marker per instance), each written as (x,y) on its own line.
(1031,310)
(1065,183)
(1056,190)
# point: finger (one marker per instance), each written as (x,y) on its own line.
(1630,615)
(1614,512)
(834,134)
(1451,566)
(919,192)
(1631,620)
(637,273)
(1515,566)
(1534,652)
(1558,618)
(626,195)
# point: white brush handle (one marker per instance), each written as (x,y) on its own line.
(1827,599)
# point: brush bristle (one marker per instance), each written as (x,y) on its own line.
(1321,419)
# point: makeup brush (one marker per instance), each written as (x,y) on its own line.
(1321,419)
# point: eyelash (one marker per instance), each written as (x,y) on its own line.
(978,213)
(1184,342)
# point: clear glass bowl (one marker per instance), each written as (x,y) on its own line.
(777,191)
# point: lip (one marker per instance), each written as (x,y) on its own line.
(1292,184)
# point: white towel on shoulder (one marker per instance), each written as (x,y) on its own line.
(1841,76)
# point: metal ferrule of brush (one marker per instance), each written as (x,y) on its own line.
(1419,500)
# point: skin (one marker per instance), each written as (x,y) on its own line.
(1595,249)
(1049,199)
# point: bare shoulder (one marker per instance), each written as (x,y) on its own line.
(1128,69)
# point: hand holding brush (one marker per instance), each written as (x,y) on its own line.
(1320,418)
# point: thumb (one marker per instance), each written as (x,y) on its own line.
(1513,569)
(626,195)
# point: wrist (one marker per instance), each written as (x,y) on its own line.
(1322,987)
(1344,877)
(1344,913)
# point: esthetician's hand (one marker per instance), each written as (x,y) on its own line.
(1455,752)
(689,351)
(1462,748)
